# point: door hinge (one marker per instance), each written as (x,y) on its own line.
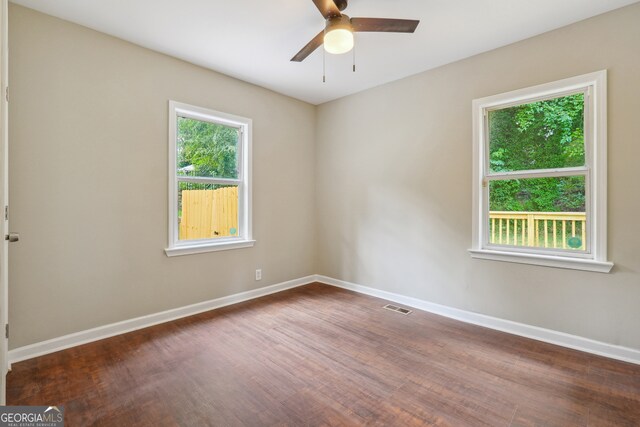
(6,331)
(6,213)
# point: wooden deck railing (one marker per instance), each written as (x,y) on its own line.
(566,230)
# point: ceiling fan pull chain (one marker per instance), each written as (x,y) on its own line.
(324,56)
(354,53)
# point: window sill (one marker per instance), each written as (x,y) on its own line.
(544,260)
(209,247)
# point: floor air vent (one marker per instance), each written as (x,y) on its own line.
(400,310)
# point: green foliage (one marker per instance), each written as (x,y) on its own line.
(539,135)
(562,194)
(211,149)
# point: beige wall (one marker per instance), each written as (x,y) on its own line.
(388,169)
(394,186)
(88,120)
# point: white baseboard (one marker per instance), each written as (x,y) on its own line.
(541,334)
(106,331)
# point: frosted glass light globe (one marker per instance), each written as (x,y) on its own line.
(338,41)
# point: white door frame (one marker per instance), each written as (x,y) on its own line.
(4,196)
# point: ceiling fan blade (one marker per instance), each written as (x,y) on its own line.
(384,25)
(327,8)
(315,43)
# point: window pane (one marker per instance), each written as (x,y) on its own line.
(538,212)
(539,135)
(207,211)
(206,149)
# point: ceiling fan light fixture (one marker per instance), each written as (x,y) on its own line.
(338,35)
(339,29)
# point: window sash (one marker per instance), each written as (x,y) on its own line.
(587,111)
(595,86)
(185,114)
(586,253)
(242,233)
(243,126)
(489,176)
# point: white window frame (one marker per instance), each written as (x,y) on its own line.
(244,238)
(594,85)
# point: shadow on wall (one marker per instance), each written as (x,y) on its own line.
(396,241)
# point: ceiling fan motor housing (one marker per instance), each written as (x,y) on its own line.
(338,22)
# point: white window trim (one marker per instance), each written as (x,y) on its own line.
(596,172)
(244,240)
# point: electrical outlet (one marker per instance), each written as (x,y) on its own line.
(259,274)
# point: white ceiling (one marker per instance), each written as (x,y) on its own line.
(253,40)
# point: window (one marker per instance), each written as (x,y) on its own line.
(209,180)
(539,175)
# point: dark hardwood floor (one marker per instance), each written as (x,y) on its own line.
(318,355)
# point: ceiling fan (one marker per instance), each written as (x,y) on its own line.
(337,35)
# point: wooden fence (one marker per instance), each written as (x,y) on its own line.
(566,230)
(209,213)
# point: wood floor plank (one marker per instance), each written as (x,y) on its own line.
(322,356)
